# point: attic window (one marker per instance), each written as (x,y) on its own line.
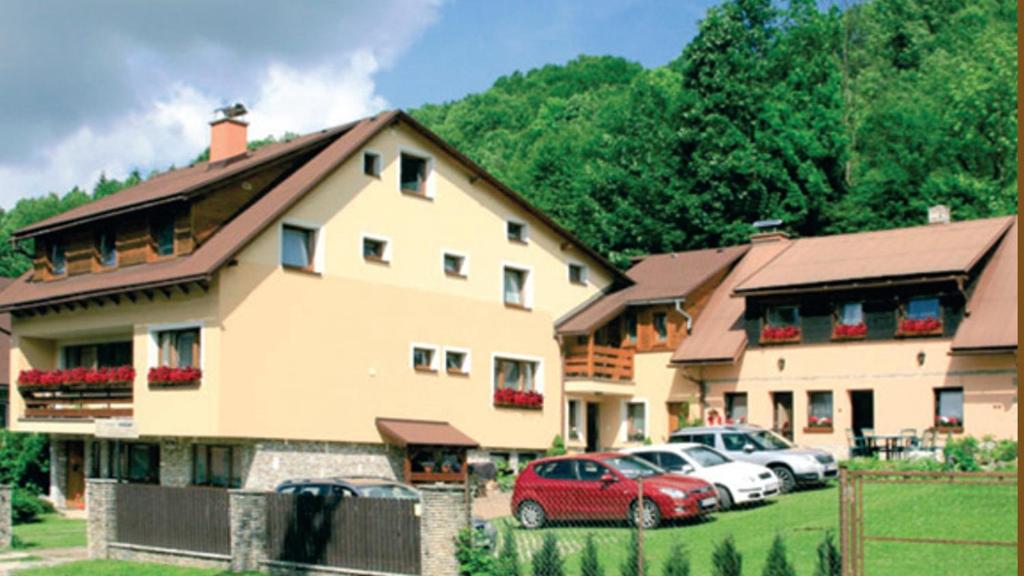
(162,232)
(58,258)
(516,231)
(577,274)
(376,249)
(371,164)
(413,176)
(106,251)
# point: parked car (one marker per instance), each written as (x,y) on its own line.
(486,535)
(793,465)
(604,487)
(735,482)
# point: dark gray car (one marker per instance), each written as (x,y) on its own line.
(793,465)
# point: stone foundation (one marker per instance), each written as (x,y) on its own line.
(150,555)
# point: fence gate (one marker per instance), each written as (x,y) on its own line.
(928,522)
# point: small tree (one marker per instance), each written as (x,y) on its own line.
(830,562)
(548,560)
(629,564)
(777,563)
(590,565)
(678,563)
(508,558)
(557,446)
(726,560)
(473,560)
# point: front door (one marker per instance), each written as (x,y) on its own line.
(593,425)
(678,414)
(75,491)
(782,422)
(862,406)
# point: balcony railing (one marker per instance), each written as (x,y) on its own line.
(77,393)
(603,362)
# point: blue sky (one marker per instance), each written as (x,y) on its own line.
(113,85)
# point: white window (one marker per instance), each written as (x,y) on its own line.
(457,361)
(516,231)
(518,373)
(577,273)
(301,247)
(415,174)
(574,420)
(517,286)
(851,313)
(176,345)
(376,248)
(636,421)
(455,264)
(371,163)
(424,357)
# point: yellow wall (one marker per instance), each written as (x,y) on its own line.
(903,390)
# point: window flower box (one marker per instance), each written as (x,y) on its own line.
(512,398)
(167,377)
(920,327)
(77,378)
(949,424)
(849,331)
(816,425)
(780,334)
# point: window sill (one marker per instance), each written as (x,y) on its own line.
(949,429)
(927,334)
(376,260)
(417,194)
(459,373)
(424,369)
(300,270)
(774,341)
(818,430)
(838,338)
(519,241)
(455,275)
(577,282)
(513,306)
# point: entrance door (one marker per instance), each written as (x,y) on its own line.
(75,491)
(782,421)
(593,424)
(862,410)
(678,414)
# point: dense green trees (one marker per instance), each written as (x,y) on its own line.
(832,120)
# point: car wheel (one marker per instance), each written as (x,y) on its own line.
(787,482)
(724,498)
(531,515)
(649,517)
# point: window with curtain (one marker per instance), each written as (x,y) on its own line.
(923,308)
(851,313)
(736,406)
(515,286)
(297,246)
(161,230)
(179,348)
(636,419)
(660,320)
(783,316)
(58,258)
(949,406)
(516,374)
(819,405)
(106,250)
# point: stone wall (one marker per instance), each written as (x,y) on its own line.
(445,514)
(274,461)
(150,555)
(175,462)
(248,509)
(101,525)
(5,517)
(58,473)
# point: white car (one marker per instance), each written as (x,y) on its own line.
(736,482)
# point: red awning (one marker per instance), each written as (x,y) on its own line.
(422,433)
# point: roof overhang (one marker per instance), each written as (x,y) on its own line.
(987,351)
(864,284)
(402,432)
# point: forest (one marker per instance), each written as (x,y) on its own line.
(845,118)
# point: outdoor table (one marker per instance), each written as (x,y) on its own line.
(891,443)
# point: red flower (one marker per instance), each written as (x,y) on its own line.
(77,376)
(780,332)
(512,397)
(165,375)
(851,330)
(920,325)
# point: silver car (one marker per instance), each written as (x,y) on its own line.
(793,465)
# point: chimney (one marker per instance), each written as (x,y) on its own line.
(939,214)
(767,231)
(228,133)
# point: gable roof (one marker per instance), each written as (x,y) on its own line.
(656,278)
(992,323)
(718,334)
(844,259)
(199,266)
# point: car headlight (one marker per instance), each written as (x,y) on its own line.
(673,493)
(810,458)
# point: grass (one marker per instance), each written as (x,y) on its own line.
(934,511)
(116,568)
(51,531)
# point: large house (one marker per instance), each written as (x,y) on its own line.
(818,338)
(362,300)
(365,300)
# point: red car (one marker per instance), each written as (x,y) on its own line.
(604,487)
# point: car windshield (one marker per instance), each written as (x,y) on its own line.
(388,491)
(768,440)
(706,457)
(632,467)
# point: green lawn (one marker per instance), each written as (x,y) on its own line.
(51,531)
(963,512)
(114,568)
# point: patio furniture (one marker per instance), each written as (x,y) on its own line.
(910,440)
(886,444)
(856,444)
(930,440)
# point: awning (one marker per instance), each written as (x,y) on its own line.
(422,432)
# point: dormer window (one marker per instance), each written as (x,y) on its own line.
(162,232)
(782,324)
(106,251)
(923,308)
(849,321)
(58,258)
(921,317)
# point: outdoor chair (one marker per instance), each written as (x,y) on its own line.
(910,441)
(856,445)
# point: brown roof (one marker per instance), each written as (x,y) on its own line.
(656,278)
(992,324)
(422,432)
(178,184)
(935,250)
(237,233)
(718,333)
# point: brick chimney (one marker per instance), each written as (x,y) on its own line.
(228,133)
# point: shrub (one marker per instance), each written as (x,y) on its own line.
(590,565)
(26,507)
(548,560)
(473,560)
(960,454)
(829,558)
(508,558)
(24,460)
(557,446)
(678,562)
(726,560)
(629,564)
(777,563)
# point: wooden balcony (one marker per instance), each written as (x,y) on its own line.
(77,402)
(591,361)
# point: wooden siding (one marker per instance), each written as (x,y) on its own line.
(193,518)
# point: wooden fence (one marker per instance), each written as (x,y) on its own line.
(194,519)
(356,533)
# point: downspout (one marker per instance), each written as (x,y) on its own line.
(689,319)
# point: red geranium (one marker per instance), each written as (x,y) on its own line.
(851,330)
(771,333)
(77,377)
(920,326)
(947,421)
(518,398)
(167,376)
